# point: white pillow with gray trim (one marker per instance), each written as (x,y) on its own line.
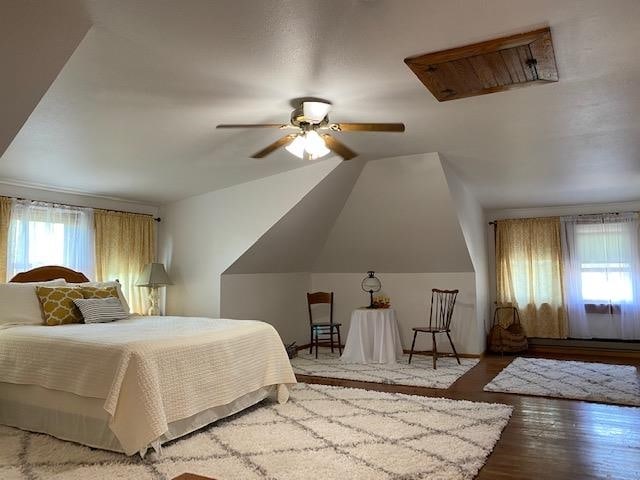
(101,310)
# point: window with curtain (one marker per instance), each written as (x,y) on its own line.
(125,243)
(529,274)
(602,275)
(5,215)
(47,234)
(605,262)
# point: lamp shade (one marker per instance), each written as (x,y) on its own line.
(153,275)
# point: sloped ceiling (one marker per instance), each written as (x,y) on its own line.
(295,241)
(400,217)
(132,114)
(202,236)
(36,40)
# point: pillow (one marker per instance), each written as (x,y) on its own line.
(101,310)
(117,285)
(99,292)
(57,304)
(19,304)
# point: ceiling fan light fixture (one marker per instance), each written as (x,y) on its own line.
(314,112)
(297,147)
(315,145)
(308,145)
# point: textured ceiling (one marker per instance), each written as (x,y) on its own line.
(36,40)
(132,113)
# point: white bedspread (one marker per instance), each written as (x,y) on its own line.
(149,370)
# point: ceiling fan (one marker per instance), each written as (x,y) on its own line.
(309,138)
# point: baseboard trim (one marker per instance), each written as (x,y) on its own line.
(429,353)
(422,352)
(308,345)
(581,350)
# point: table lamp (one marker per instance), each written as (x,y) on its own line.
(153,276)
(371,284)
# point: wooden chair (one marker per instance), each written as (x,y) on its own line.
(325,329)
(442,303)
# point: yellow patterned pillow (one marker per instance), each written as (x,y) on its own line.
(99,292)
(57,304)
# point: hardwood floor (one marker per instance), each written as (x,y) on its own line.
(546,438)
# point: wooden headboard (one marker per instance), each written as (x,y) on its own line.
(50,272)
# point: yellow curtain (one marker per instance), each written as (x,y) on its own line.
(125,242)
(529,274)
(5,215)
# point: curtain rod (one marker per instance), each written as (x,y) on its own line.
(157,219)
(552,216)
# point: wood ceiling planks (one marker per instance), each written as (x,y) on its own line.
(487,67)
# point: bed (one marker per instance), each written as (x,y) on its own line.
(133,384)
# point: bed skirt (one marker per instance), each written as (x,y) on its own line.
(83,420)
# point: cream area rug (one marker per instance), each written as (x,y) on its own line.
(420,373)
(596,382)
(321,433)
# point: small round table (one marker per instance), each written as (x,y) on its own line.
(373,337)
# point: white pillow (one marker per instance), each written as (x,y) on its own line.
(19,303)
(118,286)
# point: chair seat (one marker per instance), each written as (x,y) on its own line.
(430,329)
(326,324)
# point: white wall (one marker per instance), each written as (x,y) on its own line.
(201,236)
(473,223)
(398,218)
(410,295)
(260,285)
(587,208)
(277,298)
(401,221)
(294,242)
(72,198)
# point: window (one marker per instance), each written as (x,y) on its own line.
(46,234)
(43,242)
(529,273)
(605,253)
(601,268)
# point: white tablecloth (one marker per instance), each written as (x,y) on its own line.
(373,337)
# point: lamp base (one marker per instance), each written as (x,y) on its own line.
(154,309)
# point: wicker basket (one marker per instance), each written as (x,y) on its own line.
(509,338)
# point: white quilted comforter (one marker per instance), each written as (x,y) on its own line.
(150,371)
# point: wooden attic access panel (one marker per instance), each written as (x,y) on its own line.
(487,67)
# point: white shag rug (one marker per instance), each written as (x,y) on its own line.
(322,432)
(596,382)
(420,373)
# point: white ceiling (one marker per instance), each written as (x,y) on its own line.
(132,114)
(36,40)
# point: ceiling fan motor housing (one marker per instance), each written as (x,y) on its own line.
(299,119)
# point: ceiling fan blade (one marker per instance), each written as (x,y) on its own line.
(254,125)
(338,147)
(367,127)
(282,142)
